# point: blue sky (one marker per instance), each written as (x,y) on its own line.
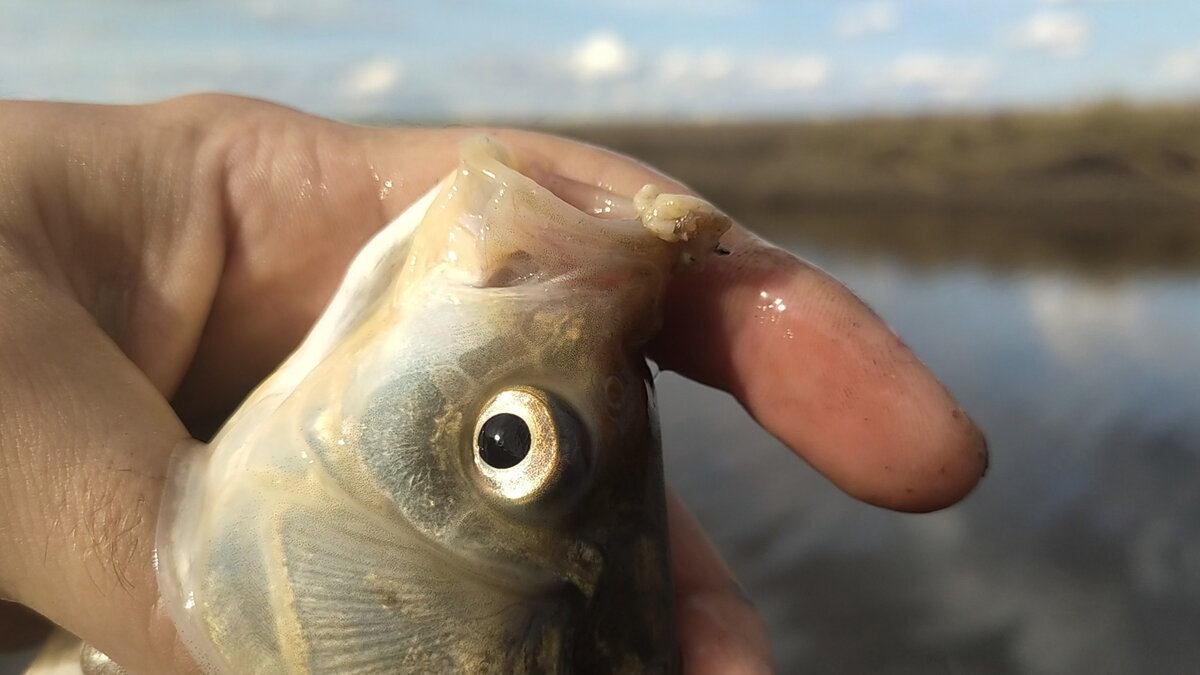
(530,60)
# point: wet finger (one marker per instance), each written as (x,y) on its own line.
(818,369)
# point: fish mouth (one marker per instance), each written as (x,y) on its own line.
(502,222)
(503,226)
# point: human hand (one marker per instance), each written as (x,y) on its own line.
(134,242)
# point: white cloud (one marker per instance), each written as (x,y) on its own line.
(868,19)
(1181,66)
(602,56)
(803,71)
(373,78)
(1061,34)
(949,78)
(697,82)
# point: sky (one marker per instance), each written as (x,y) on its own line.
(661,59)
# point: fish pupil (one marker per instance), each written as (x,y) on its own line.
(504,441)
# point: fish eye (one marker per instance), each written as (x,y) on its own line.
(527,446)
(503,441)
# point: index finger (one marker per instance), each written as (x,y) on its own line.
(809,361)
(823,373)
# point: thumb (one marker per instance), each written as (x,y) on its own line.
(85,439)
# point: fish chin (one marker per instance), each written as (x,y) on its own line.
(459,468)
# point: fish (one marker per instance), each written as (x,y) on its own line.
(459,469)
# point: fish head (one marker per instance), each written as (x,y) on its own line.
(460,469)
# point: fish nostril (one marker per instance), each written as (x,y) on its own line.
(504,440)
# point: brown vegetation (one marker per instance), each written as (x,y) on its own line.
(1108,185)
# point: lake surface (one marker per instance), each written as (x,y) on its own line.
(1080,550)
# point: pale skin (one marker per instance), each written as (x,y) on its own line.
(157,261)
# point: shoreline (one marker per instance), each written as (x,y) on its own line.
(1106,189)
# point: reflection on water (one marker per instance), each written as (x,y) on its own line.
(1080,550)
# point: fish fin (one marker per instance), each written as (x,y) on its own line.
(364,600)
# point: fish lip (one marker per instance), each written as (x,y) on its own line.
(618,222)
(498,224)
(651,227)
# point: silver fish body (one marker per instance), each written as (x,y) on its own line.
(459,469)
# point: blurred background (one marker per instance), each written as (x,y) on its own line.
(1013,184)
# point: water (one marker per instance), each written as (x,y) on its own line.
(1080,550)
